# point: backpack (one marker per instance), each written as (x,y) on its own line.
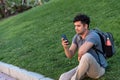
(107,42)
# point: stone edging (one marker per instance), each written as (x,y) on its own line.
(21,74)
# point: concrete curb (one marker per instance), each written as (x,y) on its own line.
(21,74)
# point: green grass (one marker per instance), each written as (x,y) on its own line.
(32,40)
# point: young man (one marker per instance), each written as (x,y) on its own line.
(90,63)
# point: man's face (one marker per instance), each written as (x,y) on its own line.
(80,27)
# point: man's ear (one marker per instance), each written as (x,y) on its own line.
(86,26)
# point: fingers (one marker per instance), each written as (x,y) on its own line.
(64,42)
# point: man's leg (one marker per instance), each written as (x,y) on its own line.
(95,70)
(68,75)
(88,65)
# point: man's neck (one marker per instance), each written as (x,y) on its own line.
(85,34)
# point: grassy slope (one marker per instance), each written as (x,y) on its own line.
(31,40)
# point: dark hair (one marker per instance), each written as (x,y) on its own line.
(83,18)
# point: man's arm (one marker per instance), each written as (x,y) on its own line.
(69,52)
(84,48)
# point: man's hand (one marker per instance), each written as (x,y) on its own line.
(69,50)
(79,56)
(64,43)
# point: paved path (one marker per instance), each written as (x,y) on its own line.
(5,77)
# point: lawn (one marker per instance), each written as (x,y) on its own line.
(32,40)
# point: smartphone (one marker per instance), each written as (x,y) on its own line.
(64,37)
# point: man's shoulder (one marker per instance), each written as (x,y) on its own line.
(93,37)
(92,33)
(76,38)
